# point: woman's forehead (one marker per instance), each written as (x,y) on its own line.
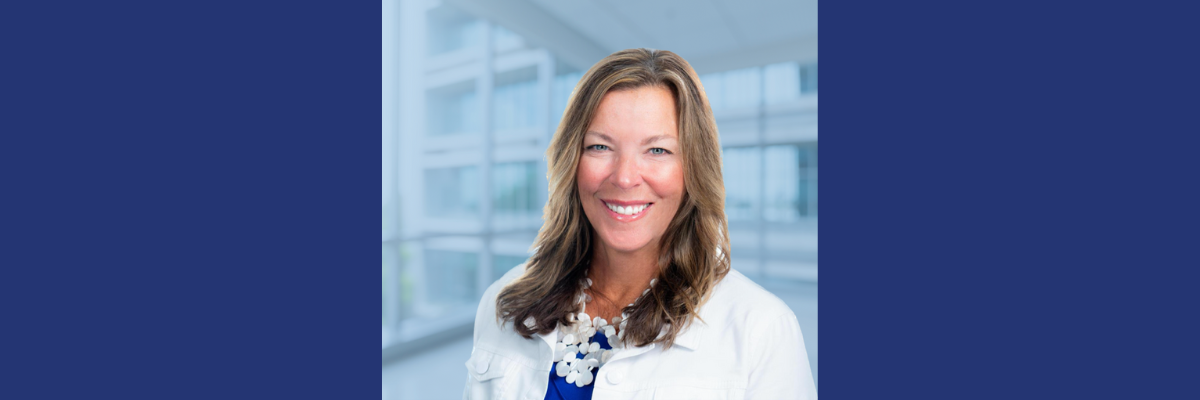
(643,114)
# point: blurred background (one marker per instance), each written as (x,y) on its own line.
(474,89)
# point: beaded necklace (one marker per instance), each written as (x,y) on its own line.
(574,338)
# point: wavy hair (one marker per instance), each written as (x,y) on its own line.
(695,247)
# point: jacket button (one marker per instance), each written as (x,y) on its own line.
(481,366)
(615,377)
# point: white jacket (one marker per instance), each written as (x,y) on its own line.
(749,347)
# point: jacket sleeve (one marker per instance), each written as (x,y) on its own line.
(779,362)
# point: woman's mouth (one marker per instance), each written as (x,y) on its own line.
(627,211)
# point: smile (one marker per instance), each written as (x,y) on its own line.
(627,211)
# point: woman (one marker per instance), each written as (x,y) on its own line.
(630,293)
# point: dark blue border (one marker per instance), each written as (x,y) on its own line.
(189,186)
(1008,200)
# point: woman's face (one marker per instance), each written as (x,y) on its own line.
(631,174)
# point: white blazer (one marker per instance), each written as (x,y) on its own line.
(748,347)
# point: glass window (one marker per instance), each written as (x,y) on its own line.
(502,263)
(451,30)
(790,188)
(453,109)
(782,82)
(506,39)
(714,89)
(513,105)
(808,79)
(513,189)
(386,295)
(397,291)
(809,174)
(741,168)
(450,276)
(742,88)
(784,192)
(388,179)
(563,85)
(451,192)
(514,100)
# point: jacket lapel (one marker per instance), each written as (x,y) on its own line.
(550,338)
(691,335)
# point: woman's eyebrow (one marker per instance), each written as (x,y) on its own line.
(601,135)
(655,138)
(646,141)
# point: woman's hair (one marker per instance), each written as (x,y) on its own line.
(695,246)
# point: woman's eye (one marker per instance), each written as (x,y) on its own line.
(659,151)
(597,147)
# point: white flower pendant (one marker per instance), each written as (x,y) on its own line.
(575,355)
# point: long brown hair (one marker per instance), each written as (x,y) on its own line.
(695,246)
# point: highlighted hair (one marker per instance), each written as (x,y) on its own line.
(695,246)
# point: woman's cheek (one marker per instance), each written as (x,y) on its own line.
(669,180)
(588,175)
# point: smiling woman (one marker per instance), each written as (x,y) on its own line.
(630,170)
(630,292)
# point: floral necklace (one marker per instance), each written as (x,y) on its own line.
(573,339)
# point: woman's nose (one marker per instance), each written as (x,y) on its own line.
(628,174)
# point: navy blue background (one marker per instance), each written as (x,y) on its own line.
(1007,195)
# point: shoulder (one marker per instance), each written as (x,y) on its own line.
(762,333)
(741,321)
(740,301)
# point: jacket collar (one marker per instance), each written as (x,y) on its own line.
(690,337)
(550,338)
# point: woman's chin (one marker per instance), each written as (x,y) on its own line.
(625,245)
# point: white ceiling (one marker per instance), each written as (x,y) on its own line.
(713,35)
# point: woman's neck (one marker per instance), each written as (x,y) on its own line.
(619,278)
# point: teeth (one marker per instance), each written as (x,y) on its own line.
(631,210)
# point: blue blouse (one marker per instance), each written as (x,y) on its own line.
(559,389)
